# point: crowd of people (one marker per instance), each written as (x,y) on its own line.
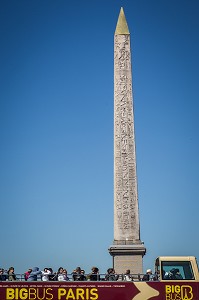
(47,274)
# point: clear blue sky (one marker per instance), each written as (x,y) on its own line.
(56,129)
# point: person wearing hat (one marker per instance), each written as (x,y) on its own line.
(148,275)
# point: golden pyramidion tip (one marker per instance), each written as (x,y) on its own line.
(122,27)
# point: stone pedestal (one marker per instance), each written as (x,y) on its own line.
(127,257)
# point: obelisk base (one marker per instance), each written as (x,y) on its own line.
(128,257)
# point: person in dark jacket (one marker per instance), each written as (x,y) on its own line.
(76,274)
(148,275)
(94,275)
(3,276)
(111,276)
(83,277)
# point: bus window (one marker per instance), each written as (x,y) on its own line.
(177,270)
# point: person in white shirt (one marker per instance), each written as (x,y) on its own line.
(127,276)
(45,274)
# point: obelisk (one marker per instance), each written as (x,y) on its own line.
(127,249)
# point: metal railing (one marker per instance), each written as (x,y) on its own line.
(79,277)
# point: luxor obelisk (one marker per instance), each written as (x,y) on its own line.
(127,249)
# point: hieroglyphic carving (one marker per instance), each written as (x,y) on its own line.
(126,214)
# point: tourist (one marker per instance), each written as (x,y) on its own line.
(3,276)
(83,277)
(110,275)
(27,274)
(51,275)
(65,277)
(11,274)
(59,275)
(148,276)
(34,274)
(77,274)
(94,275)
(45,274)
(127,276)
(173,274)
